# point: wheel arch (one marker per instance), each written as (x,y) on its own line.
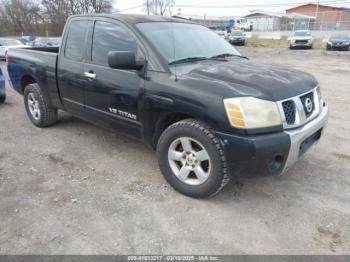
(164,122)
(27,80)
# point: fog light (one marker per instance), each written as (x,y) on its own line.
(276,163)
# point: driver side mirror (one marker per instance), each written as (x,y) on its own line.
(124,60)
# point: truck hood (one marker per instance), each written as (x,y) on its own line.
(241,77)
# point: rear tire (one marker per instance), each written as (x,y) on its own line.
(192,160)
(38,111)
(2,98)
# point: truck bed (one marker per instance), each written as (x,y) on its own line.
(38,64)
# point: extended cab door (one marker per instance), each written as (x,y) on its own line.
(71,80)
(112,95)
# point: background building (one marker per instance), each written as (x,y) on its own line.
(268,21)
(327,17)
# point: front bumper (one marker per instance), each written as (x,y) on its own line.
(270,154)
(338,47)
(301,44)
(236,41)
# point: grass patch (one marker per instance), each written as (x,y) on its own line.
(283,42)
(259,42)
(318,44)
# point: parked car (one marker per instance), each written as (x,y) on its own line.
(47,42)
(27,40)
(208,112)
(6,44)
(339,41)
(237,38)
(222,34)
(301,39)
(2,88)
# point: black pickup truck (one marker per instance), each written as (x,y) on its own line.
(210,113)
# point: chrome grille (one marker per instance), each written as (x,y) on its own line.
(297,111)
(301,41)
(289,111)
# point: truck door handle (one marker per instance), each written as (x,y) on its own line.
(90,75)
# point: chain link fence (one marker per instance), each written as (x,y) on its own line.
(322,21)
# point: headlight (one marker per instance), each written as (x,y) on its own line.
(347,43)
(330,43)
(251,112)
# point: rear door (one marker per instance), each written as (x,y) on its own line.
(112,95)
(71,80)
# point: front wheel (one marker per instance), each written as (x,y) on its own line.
(38,111)
(192,160)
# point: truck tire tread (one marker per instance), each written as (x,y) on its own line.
(49,116)
(210,135)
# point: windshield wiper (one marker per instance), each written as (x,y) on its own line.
(188,59)
(221,57)
(227,55)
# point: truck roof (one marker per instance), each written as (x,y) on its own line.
(135,19)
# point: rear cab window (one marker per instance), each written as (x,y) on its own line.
(75,40)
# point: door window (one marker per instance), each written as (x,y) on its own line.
(75,40)
(110,37)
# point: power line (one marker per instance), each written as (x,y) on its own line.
(262,5)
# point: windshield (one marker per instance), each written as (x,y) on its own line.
(237,33)
(9,42)
(340,36)
(176,41)
(302,33)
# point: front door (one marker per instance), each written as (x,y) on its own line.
(71,81)
(112,95)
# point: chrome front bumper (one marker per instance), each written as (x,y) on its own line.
(299,135)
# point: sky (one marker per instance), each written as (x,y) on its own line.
(224,7)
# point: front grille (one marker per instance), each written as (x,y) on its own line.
(301,41)
(298,110)
(308,98)
(289,111)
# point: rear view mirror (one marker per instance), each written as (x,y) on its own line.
(124,60)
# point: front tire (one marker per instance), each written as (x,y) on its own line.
(192,160)
(38,111)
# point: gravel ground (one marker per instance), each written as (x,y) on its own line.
(77,189)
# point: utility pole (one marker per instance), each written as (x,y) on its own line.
(317,9)
(147,7)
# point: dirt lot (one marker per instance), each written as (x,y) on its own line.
(77,189)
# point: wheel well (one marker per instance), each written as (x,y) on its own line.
(165,122)
(26,80)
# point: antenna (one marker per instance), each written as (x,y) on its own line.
(174,49)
